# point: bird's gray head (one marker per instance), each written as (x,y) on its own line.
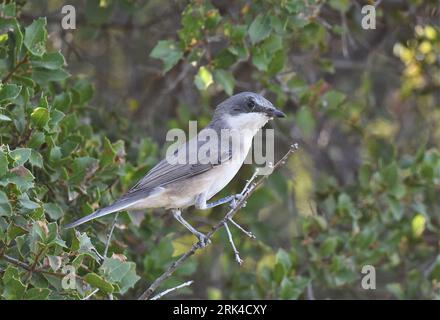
(246,110)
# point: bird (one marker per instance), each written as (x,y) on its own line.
(177,183)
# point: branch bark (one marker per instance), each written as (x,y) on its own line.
(17,66)
(247,191)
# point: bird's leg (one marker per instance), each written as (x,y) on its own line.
(203,240)
(201,201)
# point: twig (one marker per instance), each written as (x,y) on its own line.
(20,63)
(109,236)
(90,295)
(160,295)
(247,191)
(344,36)
(236,253)
(310,294)
(248,233)
(27,267)
(107,244)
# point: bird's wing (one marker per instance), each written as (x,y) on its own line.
(166,171)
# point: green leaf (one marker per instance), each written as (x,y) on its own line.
(259,28)
(85,90)
(122,273)
(9,92)
(5,206)
(13,25)
(305,120)
(36,159)
(81,166)
(36,140)
(43,76)
(329,246)
(35,37)
(108,154)
(3,163)
(292,289)
(261,59)
(284,258)
(390,175)
(53,210)
(22,178)
(37,294)
(418,224)
(4,118)
(277,62)
(51,61)
(84,245)
(225,79)
(29,204)
(169,52)
(333,99)
(13,288)
(8,9)
(39,117)
(272,44)
(341,5)
(20,156)
(203,78)
(99,282)
(396,289)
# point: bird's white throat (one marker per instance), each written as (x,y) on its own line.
(247,121)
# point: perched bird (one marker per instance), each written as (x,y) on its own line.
(175,184)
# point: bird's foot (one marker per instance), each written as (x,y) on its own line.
(203,240)
(235,200)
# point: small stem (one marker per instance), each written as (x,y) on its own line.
(160,295)
(90,295)
(248,233)
(27,267)
(236,253)
(11,73)
(109,236)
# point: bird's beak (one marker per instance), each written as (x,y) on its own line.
(276,113)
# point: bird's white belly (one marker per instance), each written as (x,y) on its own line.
(224,173)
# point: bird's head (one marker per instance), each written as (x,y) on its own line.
(247,110)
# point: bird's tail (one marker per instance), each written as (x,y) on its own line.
(99,213)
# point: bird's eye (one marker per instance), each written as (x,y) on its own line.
(251,103)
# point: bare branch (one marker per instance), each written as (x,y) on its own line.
(90,295)
(248,233)
(109,236)
(160,295)
(236,253)
(247,191)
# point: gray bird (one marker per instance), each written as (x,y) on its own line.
(175,184)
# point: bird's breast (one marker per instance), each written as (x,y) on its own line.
(224,173)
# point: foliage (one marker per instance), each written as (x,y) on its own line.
(363,190)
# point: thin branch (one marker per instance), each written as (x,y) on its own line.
(160,295)
(107,244)
(247,191)
(27,267)
(11,73)
(109,236)
(310,294)
(236,253)
(248,233)
(90,295)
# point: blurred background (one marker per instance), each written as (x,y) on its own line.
(363,104)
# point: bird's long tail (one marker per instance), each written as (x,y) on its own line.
(99,213)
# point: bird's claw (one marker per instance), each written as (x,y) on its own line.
(203,240)
(237,197)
